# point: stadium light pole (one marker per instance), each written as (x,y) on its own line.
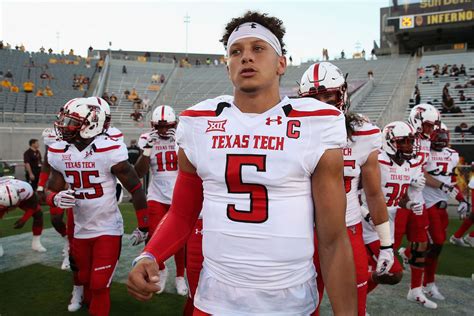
(187,20)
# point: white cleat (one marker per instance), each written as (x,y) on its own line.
(401,253)
(76,300)
(1,251)
(457,241)
(468,240)
(432,290)
(36,244)
(66,264)
(181,286)
(416,295)
(162,283)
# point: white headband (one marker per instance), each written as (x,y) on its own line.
(252,29)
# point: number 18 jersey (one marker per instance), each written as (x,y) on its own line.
(256,171)
(163,167)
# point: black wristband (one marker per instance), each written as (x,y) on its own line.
(386,247)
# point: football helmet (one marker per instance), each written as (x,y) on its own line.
(163,119)
(440,137)
(424,118)
(325,82)
(82,117)
(9,195)
(398,139)
(106,108)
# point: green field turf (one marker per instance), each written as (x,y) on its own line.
(40,290)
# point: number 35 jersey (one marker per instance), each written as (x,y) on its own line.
(256,171)
(89,174)
(163,167)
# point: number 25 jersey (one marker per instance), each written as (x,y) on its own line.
(256,171)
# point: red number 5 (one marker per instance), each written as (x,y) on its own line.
(81,180)
(258,212)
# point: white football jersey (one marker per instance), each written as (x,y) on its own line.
(50,136)
(24,189)
(164,168)
(441,165)
(365,140)
(395,182)
(419,163)
(256,171)
(88,173)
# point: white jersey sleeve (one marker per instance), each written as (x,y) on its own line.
(50,136)
(115,133)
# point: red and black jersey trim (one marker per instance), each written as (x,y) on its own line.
(387,163)
(101,150)
(366,133)
(212,113)
(58,150)
(290,112)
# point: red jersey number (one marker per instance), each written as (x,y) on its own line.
(170,162)
(347,179)
(397,193)
(81,180)
(258,212)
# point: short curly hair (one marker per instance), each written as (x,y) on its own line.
(274,24)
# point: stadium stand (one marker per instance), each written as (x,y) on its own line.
(27,107)
(138,76)
(431,87)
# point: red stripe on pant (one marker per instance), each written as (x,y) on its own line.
(156,212)
(361,267)
(96,259)
(194,259)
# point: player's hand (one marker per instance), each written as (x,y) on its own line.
(151,139)
(366,215)
(65,199)
(32,177)
(385,261)
(138,236)
(415,207)
(463,209)
(142,280)
(418,183)
(451,190)
(19,224)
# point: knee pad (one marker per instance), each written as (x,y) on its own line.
(417,258)
(434,250)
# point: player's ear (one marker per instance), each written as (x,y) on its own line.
(281,65)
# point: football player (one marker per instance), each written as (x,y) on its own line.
(423,118)
(326,82)
(90,165)
(441,172)
(456,238)
(397,174)
(159,155)
(258,167)
(16,193)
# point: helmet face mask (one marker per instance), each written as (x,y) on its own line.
(162,128)
(400,141)
(440,138)
(68,127)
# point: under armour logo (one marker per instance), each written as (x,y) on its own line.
(216,126)
(89,153)
(276,120)
(198,231)
(253,25)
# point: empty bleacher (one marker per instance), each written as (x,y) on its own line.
(138,76)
